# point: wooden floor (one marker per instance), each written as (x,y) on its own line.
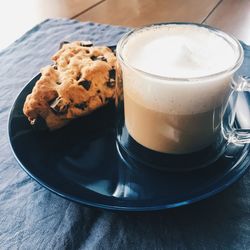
(233,16)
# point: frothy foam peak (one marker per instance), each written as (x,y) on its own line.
(179,51)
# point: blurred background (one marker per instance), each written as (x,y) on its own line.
(232,16)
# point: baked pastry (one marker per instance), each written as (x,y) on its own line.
(82,79)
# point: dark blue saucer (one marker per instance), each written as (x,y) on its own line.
(81,163)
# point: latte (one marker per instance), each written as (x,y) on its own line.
(176,86)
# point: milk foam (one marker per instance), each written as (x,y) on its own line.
(180,51)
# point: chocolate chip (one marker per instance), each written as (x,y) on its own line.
(85,83)
(55,67)
(58,106)
(58,83)
(62,43)
(111,83)
(82,105)
(87,51)
(86,44)
(52,101)
(112,74)
(101,58)
(79,76)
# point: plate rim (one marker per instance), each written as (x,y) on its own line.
(85,202)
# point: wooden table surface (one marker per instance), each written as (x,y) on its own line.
(233,16)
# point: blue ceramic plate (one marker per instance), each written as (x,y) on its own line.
(81,163)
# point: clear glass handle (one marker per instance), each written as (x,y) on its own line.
(230,132)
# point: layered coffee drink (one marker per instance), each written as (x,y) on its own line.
(176,85)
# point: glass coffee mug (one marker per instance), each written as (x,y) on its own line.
(176,122)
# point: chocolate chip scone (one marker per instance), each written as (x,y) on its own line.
(82,79)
